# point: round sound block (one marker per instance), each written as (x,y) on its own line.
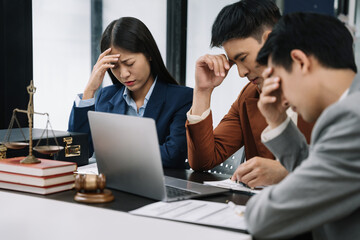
(105,196)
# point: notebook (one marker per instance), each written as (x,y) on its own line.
(128,153)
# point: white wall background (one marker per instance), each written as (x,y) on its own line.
(201,16)
(61,57)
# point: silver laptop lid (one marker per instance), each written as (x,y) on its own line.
(128,153)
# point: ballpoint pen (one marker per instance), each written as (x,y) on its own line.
(243,184)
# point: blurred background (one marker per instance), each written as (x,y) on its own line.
(56,43)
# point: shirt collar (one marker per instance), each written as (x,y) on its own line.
(127,95)
(344,94)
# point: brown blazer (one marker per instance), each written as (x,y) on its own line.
(241,126)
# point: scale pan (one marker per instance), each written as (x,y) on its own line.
(16,145)
(48,149)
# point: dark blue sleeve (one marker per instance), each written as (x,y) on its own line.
(174,149)
(79,121)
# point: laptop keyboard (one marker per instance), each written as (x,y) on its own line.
(173,192)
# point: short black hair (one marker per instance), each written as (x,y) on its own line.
(246,18)
(324,37)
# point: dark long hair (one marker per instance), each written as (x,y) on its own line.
(132,35)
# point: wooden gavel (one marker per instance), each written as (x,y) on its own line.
(90,182)
(91,189)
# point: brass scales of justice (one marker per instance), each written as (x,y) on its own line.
(45,149)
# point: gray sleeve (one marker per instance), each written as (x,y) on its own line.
(290,147)
(325,187)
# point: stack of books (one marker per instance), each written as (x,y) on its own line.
(47,177)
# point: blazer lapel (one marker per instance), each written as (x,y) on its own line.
(117,103)
(156,100)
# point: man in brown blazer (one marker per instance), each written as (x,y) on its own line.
(241,29)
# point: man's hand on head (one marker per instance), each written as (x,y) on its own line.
(210,72)
(272,103)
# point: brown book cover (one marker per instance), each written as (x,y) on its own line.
(35,189)
(37,180)
(45,168)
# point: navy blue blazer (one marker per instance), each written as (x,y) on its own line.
(167,105)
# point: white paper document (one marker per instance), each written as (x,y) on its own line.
(229,184)
(197,211)
(88,169)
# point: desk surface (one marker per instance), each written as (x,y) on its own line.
(126,201)
(29,216)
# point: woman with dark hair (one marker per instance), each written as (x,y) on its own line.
(142,87)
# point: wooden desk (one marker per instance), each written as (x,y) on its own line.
(58,216)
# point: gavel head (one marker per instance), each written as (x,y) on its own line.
(90,183)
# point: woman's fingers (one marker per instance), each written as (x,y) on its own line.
(104,57)
(106,52)
(107,61)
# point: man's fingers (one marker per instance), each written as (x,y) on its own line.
(267,99)
(254,183)
(249,177)
(220,66)
(207,61)
(242,170)
(225,62)
(267,72)
(216,63)
(270,85)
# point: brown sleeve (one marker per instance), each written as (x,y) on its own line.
(207,147)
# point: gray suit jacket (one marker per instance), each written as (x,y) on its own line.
(322,194)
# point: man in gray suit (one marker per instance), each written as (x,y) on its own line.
(312,69)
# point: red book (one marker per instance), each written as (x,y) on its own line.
(36,180)
(36,189)
(45,168)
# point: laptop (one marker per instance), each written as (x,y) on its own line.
(128,154)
